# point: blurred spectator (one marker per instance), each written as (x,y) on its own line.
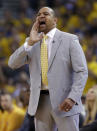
(91,106)
(13,121)
(26,9)
(23,98)
(94,45)
(28,124)
(2,76)
(92,68)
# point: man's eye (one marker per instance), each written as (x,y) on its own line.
(46,14)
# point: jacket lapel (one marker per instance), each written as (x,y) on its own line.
(55,44)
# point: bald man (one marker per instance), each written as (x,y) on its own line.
(58,82)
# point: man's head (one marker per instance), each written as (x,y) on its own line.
(46,19)
(6,101)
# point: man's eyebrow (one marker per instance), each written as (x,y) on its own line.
(43,12)
(46,12)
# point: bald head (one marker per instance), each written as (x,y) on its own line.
(50,9)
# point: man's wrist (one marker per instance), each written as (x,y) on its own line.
(26,46)
(30,42)
(72,100)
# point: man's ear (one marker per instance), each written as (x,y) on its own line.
(55,19)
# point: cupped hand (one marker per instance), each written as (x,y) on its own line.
(34,35)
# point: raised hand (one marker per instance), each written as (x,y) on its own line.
(34,35)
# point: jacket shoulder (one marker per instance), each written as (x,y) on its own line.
(68,35)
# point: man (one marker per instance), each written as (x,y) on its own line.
(12,117)
(56,83)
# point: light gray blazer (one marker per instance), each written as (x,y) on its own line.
(67,72)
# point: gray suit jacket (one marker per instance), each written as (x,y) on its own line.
(67,72)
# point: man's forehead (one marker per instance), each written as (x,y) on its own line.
(45,9)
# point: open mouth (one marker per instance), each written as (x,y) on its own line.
(42,23)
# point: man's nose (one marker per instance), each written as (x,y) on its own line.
(42,15)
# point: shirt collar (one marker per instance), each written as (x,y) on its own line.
(51,33)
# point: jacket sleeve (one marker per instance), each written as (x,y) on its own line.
(80,71)
(18,58)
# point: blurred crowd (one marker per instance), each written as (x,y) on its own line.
(75,16)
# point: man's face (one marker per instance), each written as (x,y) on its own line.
(46,20)
(6,102)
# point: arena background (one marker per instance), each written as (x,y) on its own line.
(16,18)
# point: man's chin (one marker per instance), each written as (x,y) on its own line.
(42,29)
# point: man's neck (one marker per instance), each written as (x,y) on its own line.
(45,32)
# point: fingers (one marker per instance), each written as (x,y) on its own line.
(35,26)
(66,105)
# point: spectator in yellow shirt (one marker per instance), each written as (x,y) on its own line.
(13,116)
